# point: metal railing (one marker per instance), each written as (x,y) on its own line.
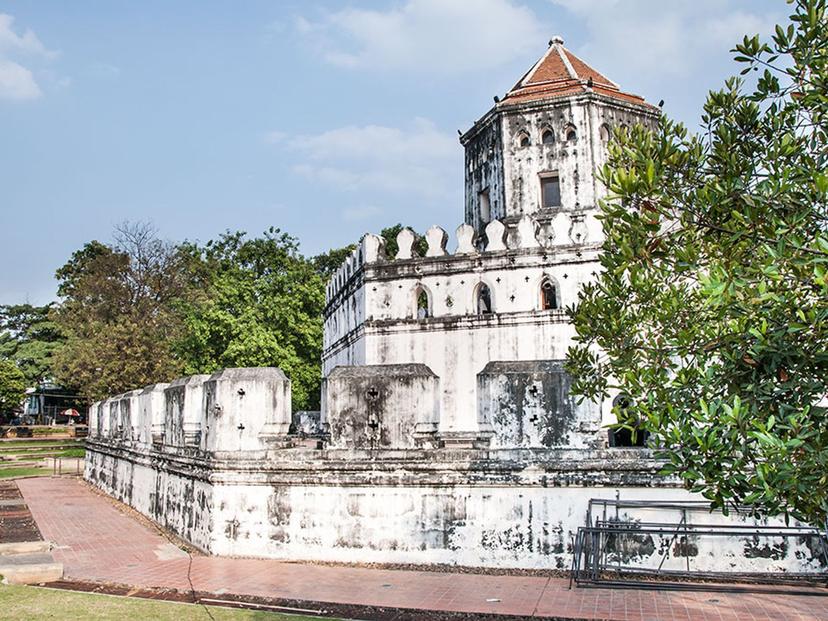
(58,467)
(617,549)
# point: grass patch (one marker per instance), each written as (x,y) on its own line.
(16,445)
(73,452)
(6,473)
(50,431)
(27,602)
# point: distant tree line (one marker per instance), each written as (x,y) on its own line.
(142,310)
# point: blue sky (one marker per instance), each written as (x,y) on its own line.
(325,119)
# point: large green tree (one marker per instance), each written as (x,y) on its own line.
(261,305)
(118,313)
(30,338)
(711,309)
(12,386)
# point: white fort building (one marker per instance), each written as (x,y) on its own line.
(448,433)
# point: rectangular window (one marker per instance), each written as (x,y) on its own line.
(550,191)
(485,207)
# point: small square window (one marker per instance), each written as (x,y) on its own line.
(485,207)
(550,191)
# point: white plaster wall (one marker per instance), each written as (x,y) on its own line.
(151,410)
(183,411)
(242,408)
(93,419)
(514,527)
(179,503)
(456,342)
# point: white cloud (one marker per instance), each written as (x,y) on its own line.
(17,82)
(417,160)
(27,43)
(665,39)
(428,36)
(274,137)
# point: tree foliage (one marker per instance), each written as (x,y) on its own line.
(327,263)
(389,234)
(30,338)
(12,386)
(711,308)
(261,305)
(118,315)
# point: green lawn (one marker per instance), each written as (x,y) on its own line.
(5,473)
(39,454)
(13,446)
(34,603)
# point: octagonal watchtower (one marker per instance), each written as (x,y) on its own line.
(538,150)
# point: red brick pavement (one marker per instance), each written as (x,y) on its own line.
(97,541)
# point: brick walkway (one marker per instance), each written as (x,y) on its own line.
(98,542)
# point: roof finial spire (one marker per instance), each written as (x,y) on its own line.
(557,39)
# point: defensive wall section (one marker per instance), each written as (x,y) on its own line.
(388,310)
(213,459)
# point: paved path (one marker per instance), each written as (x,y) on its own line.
(99,541)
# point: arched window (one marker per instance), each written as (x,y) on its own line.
(483,300)
(604,133)
(571,134)
(547,136)
(523,139)
(620,436)
(549,295)
(422,301)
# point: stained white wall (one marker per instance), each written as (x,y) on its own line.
(372,315)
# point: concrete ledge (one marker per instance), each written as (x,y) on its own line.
(24,547)
(31,574)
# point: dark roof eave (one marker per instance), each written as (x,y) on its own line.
(505,106)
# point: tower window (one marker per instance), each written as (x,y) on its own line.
(549,295)
(423,310)
(604,132)
(571,134)
(551,191)
(547,136)
(484,300)
(485,207)
(523,139)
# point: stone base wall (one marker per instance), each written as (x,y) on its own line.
(179,500)
(470,507)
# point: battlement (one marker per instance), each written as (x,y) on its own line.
(559,231)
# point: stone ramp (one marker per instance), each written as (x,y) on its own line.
(25,557)
(102,541)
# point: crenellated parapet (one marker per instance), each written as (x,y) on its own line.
(246,409)
(562,231)
(501,274)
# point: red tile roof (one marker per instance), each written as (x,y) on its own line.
(560,73)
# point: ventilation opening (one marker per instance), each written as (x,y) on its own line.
(484,300)
(423,310)
(549,296)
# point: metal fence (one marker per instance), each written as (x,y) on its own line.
(623,545)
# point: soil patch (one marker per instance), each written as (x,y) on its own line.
(16,521)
